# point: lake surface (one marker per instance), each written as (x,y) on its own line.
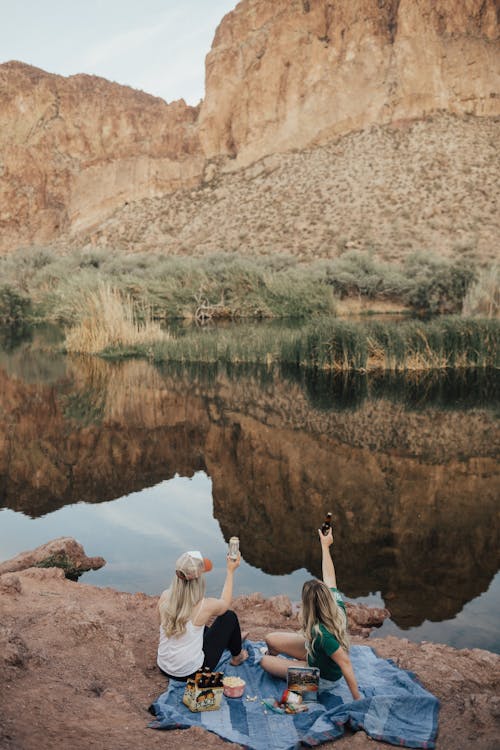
(140,463)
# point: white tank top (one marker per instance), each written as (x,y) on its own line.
(181,655)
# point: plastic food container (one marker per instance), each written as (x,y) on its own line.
(234,687)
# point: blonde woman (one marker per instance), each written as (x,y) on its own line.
(323,642)
(187,644)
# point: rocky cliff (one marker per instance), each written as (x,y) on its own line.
(281,76)
(284,75)
(73,149)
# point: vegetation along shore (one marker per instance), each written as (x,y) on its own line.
(114,305)
(45,285)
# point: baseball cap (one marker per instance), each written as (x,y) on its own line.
(191,565)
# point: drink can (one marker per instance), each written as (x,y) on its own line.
(234,547)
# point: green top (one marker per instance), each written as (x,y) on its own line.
(325,644)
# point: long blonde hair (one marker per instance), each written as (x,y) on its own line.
(177,606)
(320,608)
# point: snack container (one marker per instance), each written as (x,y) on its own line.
(304,681)
(234,690)
(198,698)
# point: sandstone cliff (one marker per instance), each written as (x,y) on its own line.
(72,149)
(281,76)
(285,75)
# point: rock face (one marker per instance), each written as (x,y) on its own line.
(73,149)
(285,75)
(388,190)
(77,663)
(282,75)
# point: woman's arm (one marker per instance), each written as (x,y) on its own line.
(215,607)
(327,563)
(341,657)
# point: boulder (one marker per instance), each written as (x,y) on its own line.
(65,553)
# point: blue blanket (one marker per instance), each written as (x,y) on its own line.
(394,708)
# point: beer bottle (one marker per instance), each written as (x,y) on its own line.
(207,677)
(327,524)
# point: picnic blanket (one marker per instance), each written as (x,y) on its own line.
(394,708)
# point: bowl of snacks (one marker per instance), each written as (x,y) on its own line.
(234,687)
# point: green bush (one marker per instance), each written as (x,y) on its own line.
(424,282)
(359,273)
(438,285)
(237,286)
(14,307)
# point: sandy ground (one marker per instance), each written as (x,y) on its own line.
(77,670)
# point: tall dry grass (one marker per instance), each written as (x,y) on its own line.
(108,320)
(483,297)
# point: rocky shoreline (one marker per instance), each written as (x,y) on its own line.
(77,664)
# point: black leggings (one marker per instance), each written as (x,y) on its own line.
(223,633)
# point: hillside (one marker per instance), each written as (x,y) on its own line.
(286,80)
(412,186)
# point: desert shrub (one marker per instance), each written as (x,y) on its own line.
(437,285)
(358,272)
(242,287)
(14,306)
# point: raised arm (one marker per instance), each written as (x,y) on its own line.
(327,563)
(221,605)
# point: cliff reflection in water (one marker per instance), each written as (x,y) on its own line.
(411,479)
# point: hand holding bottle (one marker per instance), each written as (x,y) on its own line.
(232,563)
(326,539)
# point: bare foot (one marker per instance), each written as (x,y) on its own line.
(245,635)
(240,658)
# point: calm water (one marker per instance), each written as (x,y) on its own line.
(139,463)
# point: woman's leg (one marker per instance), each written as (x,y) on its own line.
(291,644)
(223,633)
(278,666)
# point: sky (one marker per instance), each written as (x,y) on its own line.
(158,46)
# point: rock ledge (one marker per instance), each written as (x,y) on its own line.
(77,663)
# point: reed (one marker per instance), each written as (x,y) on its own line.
(483,297)
(334,345)
(109,320)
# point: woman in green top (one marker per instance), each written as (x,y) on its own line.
(323,641)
